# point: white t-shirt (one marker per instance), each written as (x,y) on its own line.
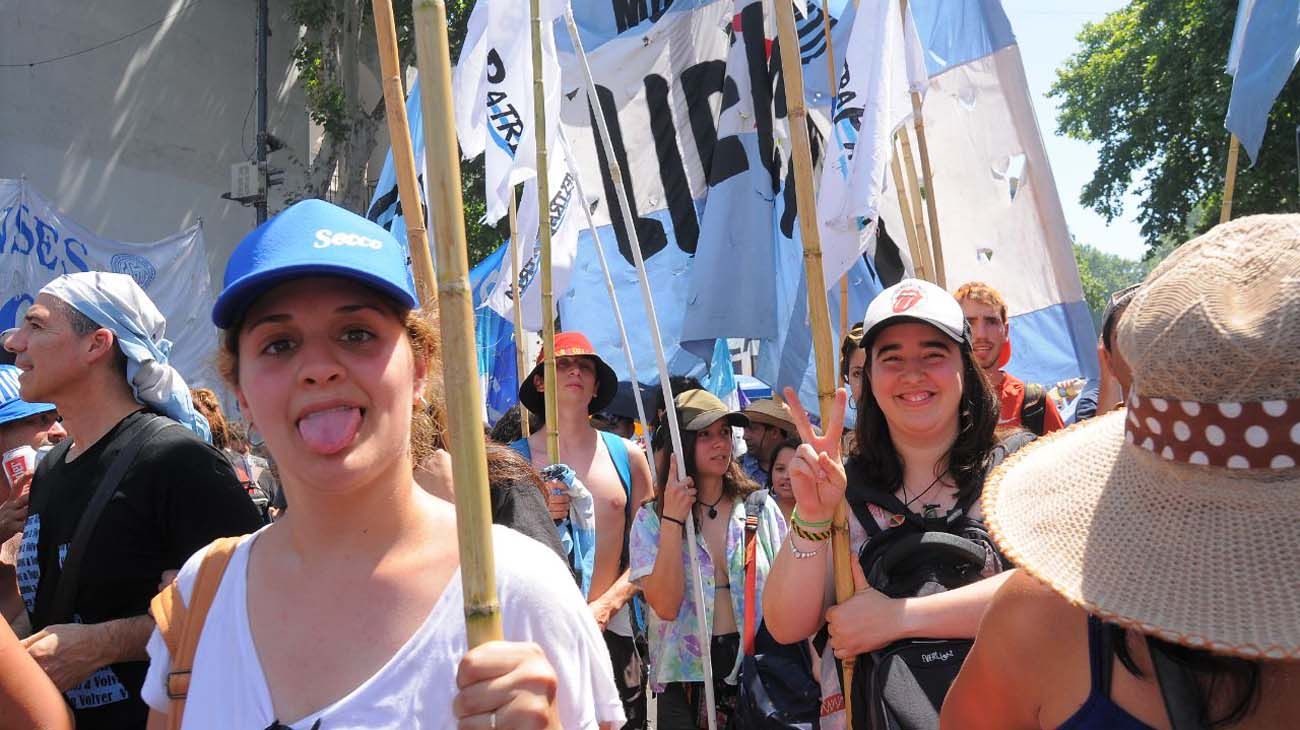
(539,602)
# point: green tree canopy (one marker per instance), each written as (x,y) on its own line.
(1148,85)
(338,38)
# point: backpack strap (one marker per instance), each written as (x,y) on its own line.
(65,591)
(754,504)
(618,454)
(181,627)
(1034,408)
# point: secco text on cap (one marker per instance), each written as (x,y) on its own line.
(914,300)
(313,238)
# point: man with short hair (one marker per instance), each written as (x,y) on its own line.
(92,344)
(616,475)
(1023,405)
(769,427)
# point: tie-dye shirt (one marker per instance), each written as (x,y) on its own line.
(675,652)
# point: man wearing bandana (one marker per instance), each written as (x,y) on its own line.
(92,344)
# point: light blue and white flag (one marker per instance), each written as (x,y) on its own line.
(1000,215)
(494,340)
(883,64)
(1265,50)
(493,93)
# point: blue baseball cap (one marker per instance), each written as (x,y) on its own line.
(313,237)
(12,406)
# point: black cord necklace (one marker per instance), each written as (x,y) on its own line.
(909,502)
(713,508)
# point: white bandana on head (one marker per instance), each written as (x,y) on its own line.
(117,303)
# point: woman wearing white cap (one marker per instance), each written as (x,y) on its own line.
(924,436)
(1157,545)
(347,612)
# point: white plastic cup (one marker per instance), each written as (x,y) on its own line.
(19,462)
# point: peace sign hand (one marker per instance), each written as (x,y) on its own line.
(816,472)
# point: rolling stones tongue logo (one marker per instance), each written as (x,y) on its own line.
(906,298)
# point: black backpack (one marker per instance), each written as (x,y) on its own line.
(777,690)
(902,686)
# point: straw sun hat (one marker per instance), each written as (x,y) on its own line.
(1180,515)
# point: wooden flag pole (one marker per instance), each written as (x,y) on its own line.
(918,209)
(544,234)
(704,631)
(1230,182)
(818,309)
(919,265)
(460,369)
(399,130)
(521,357)
(932,207)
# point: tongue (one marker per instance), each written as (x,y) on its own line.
(329,432)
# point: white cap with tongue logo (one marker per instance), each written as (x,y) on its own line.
(914,300)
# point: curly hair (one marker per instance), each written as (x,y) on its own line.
(978,291)
(429,414)
(208,406)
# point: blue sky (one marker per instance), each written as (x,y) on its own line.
(1046,31)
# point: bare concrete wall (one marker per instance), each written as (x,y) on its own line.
(135,140)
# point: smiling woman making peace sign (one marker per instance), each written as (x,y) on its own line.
(923,437)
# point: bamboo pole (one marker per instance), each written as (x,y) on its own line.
(931,206)
(544,234)
(460,371)
(613,298)
(399,130)
(913,247)
(818,310)
(704,632)
(1230,182)
(521,357)
(918,210)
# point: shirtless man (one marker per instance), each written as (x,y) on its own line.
(587,385)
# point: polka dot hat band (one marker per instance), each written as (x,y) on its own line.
(1259,435)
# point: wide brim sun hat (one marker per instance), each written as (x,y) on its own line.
(570,344)
(699,409)
(1179,516)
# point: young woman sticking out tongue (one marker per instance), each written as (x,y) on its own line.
(346,613)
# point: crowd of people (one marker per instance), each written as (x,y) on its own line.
(168,564)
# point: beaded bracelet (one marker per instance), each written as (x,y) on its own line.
(680,523)
(798,529)
(801,554)
(797,519)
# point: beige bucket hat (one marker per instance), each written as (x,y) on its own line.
(1180,515)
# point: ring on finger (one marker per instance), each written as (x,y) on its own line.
(492,720)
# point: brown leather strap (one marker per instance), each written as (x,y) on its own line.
(181,627)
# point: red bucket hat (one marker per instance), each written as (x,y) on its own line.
(570,344)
